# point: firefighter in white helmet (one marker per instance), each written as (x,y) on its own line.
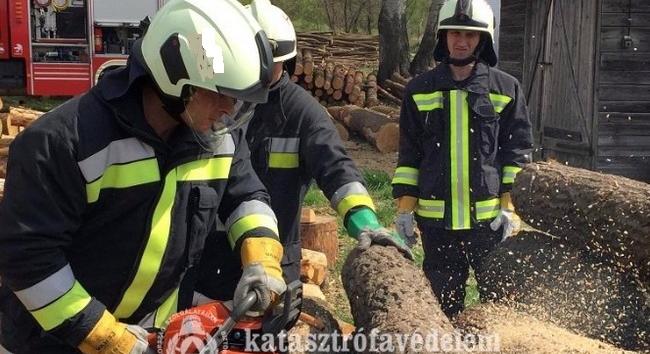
(109,197)
(464,135)
(292,141)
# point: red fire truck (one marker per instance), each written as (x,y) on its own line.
(62,47)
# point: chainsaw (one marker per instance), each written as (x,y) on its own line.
(216,328)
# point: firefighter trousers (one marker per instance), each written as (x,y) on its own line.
(448,254)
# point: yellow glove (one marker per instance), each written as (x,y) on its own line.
(262,272)
(507,218)
(112,337)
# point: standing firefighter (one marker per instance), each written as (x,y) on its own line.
(292,141)
(464,135)
(109,196)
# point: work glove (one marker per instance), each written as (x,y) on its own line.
(262,273)
(507,218)
(405,226)
(383,237)
(112,337)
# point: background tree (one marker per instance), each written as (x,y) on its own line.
(393,39)
(423,59)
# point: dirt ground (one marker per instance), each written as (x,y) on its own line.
(366,156)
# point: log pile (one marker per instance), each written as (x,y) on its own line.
(547,278)
(389,293)
(347,49)
(20,118)
(604,214)
(378,126)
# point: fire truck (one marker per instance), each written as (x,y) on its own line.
(62,47)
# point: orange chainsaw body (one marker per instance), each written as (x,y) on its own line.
(188,331)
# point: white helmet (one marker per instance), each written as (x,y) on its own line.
(278,28)
(213,44)
(467,15)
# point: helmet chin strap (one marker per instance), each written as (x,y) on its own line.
(462,62)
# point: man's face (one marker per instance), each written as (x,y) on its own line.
(462,44)
(205,108)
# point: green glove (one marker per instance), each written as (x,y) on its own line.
(363,225)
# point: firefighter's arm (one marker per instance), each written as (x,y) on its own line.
(43,204)
(405,179)
(515,137)
(252,228)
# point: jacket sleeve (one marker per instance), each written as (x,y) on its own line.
(245,208)
(329,164)
(405,180)
(515,139)
(42,208)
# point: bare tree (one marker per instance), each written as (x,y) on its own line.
(423,59)
(393,39)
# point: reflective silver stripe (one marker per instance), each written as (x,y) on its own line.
(346,190)
(47,290)
(226,146)
(147,321)
(117,152)
(249,208)
(285,145)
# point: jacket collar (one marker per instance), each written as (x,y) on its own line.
(478,82)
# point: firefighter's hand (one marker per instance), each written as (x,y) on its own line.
(507,218)
(261,258)
(112,337)
(405,226)
(267,288)
(384,237)
(510,222)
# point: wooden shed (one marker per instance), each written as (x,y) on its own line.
(585,68)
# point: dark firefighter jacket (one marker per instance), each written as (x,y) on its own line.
(461,145)
(292,141)
(100,213)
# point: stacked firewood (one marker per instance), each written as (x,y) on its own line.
(347,49)
(11,123)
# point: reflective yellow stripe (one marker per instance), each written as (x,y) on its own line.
(352,201)
(509,174)
(166,310)
(65,307)
(499,101)
(151,259)
(205,170)
(459,156)
(406,175)
(428,101)
(487,209)
(250,222)
(431,208)
(124,176)
(283,160)
(153,252)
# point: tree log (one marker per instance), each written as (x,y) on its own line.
(377,128)
(329,76)
(349,82)
(395,88)
(521,333)
(321,236)
(1,105)
(313,267)
(599,212)
(569,287)
(389,293)
(22,117)
(396,77)
(388,96)
(371,92)
(298,70)
(319,77)
(344,134)
(339,77)
(307,62)
(2,188)
(3,166)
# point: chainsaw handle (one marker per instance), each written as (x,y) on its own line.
(243,307)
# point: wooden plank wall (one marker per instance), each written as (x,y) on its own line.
(568,94)
(624,89)
(511,37)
